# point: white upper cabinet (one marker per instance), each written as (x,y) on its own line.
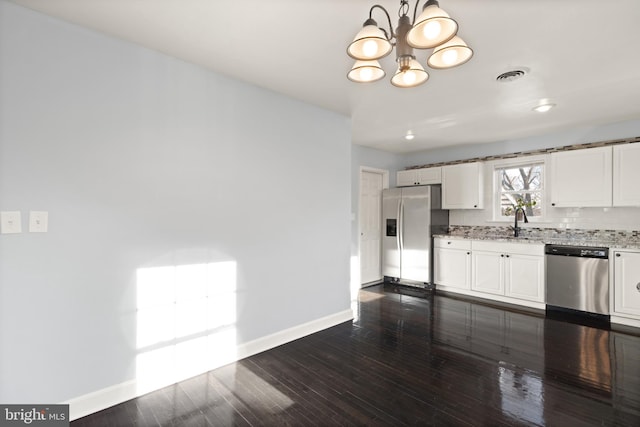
(462,186)
(424,176)
(581,178)
(626,175)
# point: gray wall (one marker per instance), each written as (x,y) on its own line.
(145,161)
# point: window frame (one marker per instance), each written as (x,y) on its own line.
(497,185)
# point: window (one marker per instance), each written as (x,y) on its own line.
(519,186)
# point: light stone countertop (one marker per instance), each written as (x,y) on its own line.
(621,243)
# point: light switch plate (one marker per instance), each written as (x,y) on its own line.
(10,222)
(38,221)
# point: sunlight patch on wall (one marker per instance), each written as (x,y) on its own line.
(355,277)
(355,286)
(186,318)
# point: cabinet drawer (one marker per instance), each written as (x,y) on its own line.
(506,247)
(452,243)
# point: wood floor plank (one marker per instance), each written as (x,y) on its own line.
(407,360)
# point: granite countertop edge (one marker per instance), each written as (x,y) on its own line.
(617,244)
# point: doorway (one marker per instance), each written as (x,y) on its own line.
(372,182)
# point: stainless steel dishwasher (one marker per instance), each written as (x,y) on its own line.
(578,278)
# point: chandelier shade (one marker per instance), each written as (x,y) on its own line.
(432,28)
(370,43)
(366,72)
(450,54)
(410,75)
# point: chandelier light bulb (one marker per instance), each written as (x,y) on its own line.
(432,30)
(450,57)
(366,74)
(409,77)
(370,48)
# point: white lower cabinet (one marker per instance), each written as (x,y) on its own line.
(452,263)
(513,270)
(502,271)
(525,276)
(626,286)
(488,272)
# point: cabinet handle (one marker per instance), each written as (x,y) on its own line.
(638,286)
(475,206)
(507,256)
(553,204)
(617,254)
(469,253)
(448,243)
(501,255)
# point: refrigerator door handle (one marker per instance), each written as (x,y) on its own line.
(400,227)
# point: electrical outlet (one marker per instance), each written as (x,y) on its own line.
(10,222)
(38,221)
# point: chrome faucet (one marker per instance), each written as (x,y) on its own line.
(516,229)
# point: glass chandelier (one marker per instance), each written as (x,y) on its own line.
(433,29)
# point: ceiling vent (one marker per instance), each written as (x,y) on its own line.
(510,76)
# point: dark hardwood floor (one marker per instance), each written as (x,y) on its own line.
(405,360)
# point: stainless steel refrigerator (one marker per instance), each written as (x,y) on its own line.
(411,216)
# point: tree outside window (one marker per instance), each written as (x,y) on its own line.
(521,186)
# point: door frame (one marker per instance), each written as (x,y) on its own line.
(385,185)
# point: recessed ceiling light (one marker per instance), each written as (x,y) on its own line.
(409,136)
(543,108)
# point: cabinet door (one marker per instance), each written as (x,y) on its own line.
(626,282)
(428,176)
(452,268)
(415,234)
(462,186)
(487,272)
(626,175)
(406,178)
(525,277)
(581,178)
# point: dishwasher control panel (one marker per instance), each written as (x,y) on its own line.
(577,251)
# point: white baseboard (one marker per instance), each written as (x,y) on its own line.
(101,399)
(625,321)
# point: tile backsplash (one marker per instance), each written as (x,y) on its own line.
(547,234)
(627,218)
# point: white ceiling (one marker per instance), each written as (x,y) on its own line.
(582,55)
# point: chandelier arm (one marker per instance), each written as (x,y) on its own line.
(388,19)
(415,12)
